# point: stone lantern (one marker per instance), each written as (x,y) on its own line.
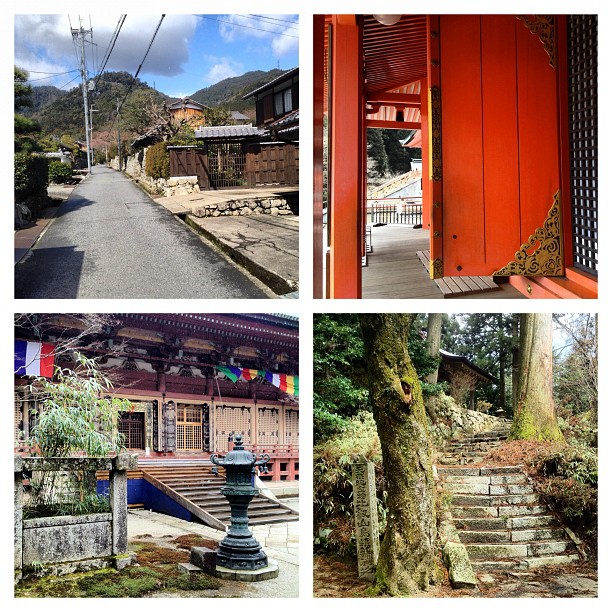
(239,552)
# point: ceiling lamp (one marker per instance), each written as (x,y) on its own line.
(387,19)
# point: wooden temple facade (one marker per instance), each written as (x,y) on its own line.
(194,380)
(506,106)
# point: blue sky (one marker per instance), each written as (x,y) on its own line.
(189,52)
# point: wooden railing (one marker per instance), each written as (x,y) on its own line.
(403,211)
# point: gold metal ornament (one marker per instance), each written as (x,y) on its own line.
(542,254)
(543,26)
(436,269)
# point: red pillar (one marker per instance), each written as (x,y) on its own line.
(425,179)
(345,158)
(318,112)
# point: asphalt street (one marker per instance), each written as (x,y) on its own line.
(110,240)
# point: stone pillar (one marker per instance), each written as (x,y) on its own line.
(366,517)
(118,500)
(18,508)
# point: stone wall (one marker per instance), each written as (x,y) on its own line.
(451,420)
(250,206)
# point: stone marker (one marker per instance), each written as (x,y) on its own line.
(366,518)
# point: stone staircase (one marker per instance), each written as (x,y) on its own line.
(470,450)
(497,513)
(198,490)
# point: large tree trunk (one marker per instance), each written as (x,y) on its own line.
(407,559)
(434,333)
(502,361)
(515,360)
(534,417)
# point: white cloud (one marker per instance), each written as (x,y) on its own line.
(224,68)
(276,30)
(44,42)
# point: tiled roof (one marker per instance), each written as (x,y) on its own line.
(228,131)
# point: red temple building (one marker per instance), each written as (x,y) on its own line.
(506,107)
(195,381)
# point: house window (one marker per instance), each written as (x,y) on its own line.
(282,102)
(582,79)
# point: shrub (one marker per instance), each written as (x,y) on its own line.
(31,175)
(568,477)
(59,172)
(332,480)
(158,161)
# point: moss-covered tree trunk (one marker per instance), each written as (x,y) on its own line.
(534,416)
(407,561)
(434,334)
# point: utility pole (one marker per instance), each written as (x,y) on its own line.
(80,34)
(118,137)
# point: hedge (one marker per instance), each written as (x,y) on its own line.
(157,164)
(31,175)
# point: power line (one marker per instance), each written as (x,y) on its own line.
(120,106)
(51,75)
(111,46)
(266,18)
(240,25)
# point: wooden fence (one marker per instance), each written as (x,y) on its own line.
(231,165)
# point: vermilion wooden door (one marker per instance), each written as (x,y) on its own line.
(499,185)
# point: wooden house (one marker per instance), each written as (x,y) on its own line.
(506,106)
(188,110)
(277,99)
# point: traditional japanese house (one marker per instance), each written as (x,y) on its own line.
(506,107)
(195,381)
(188,110)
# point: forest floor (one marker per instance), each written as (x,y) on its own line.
(335,577)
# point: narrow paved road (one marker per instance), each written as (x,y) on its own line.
(110,240)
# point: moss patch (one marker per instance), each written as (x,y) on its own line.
(192,539)
(157,572)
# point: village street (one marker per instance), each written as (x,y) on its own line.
(110,240)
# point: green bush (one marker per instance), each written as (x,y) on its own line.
(568,484)
(31,175)
(158,161)
(59,172)
(333,488)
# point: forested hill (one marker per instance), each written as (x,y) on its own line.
(61,112)
(229,92)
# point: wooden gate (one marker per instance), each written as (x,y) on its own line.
(231,165)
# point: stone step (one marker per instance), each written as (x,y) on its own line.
(484,488)
(493,500)
(518,550)
(478,471)
(495,480)
(509,535)
(546,560)
(461,512)
(497,522)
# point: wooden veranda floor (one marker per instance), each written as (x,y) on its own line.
(395,271)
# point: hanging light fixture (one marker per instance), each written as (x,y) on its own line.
(387,19)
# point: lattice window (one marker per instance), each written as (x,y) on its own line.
(231,420)
(131,426)
(292,427)
(268,426)
(582,79)
(189,427)
(18,415)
